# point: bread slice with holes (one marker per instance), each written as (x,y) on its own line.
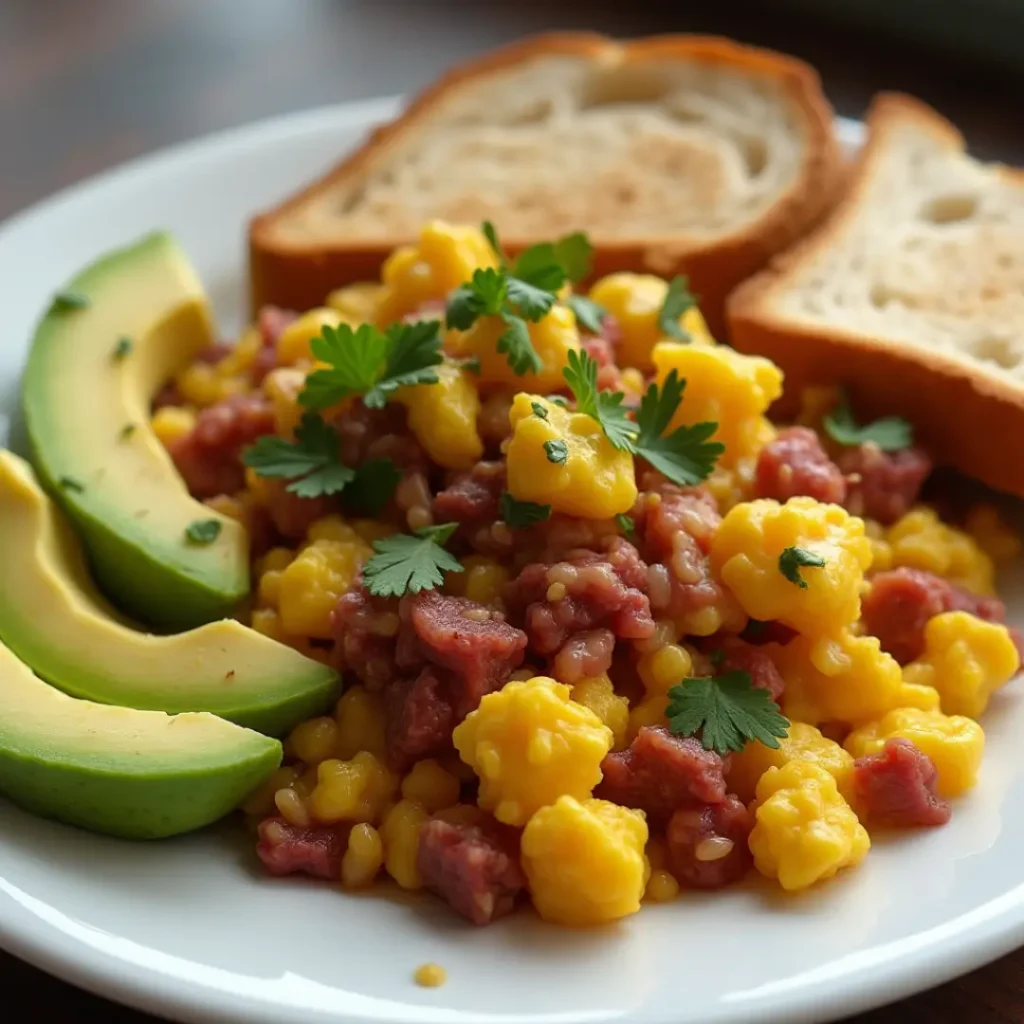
(676,154)
(911,294)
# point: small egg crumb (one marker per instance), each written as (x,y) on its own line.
(430,975)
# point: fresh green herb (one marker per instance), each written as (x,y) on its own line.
(556,451)
(69,483)
(560,400)
(372,363)
(515,344)
(604,406)
(405,564)
(792,559)
(891,433)
(575,254)
(589,315)
(521,514)
(484,294)
(686,456)
(678,299)
(203,531)
(65,301)
(372,487)
(626,524)
(121,349)
(491,234)
(717,658)
(539,410)
(126,431)
(728,711)
(311,462)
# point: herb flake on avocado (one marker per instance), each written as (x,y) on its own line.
(126,431)
(121,349)
(67,300)
(203,531)
(69,483)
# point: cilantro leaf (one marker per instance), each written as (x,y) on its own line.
(556,451)
(604,406)
(792,559)
(485,294)
(728,711)
(686,456)
(514,342)
(531,300)
(491,234)
(589,315)
(539,410)
(413,352)
(372,486)
(67,300)
(575,253)
(521,514)
(407,564)
(891,433)
(203,531)
(678,299)
(626,524)
(310,462)
(354,357)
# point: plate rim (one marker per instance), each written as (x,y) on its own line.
(995,927)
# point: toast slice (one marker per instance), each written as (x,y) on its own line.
(911,294)
(676,154)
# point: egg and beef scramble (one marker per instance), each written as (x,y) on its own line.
(606,630)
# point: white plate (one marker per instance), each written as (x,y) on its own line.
(189,928)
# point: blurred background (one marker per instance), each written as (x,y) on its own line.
(85,84)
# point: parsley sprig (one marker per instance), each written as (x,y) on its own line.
(311,462)
(728,711)
(891,433)
(678,299)
(686,456)
(372,363)
(407,564)
(792,559)
(519,515)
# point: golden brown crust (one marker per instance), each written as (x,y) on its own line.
(300,276)
(960,412)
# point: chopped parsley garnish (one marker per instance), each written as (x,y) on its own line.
(539,410)
(604,406)
(588,313)
(311,462)
(728,711)
(626,524)
(372,363)
(521,514)
(203,531)
(407,564)
(678,299)
(126,431)
(791,560)
(372,487)
(556,451)
(69,483)
(686,456)
(121,349)
(891,433)
(65,301)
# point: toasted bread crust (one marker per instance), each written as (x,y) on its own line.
(299,276)
(962,414)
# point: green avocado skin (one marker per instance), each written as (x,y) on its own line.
(163,803)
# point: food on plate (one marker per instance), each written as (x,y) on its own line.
(909,293)
(135,774)
(608,631)
(137,318)
(53,618)
(677,154)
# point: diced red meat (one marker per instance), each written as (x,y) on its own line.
(208,456)
(474,867)
(478,647)
(794,464)
(708,845)
(271,321)
(584,655)
(365,434)
(420,718)
(214,352)
(289,850)
(896,787)
(291,515)
(900,602)
(167,395)
(472,498)
(738,656)
(659,773)
(609,376)
(883,485)
(364,629)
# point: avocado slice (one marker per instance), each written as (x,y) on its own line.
(54,619)
(135,774)
(86,398)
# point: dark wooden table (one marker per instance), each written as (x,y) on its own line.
(85,84)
